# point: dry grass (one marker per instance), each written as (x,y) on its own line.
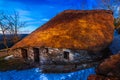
(3,53)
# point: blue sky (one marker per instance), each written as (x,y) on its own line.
(38,12)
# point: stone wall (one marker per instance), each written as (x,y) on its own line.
(66,68)
(56,56)
(30,54)
(16,53)
(52,59)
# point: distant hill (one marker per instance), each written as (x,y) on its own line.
(8,37)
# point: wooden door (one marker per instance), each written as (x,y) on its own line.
(36,54)
(24,53)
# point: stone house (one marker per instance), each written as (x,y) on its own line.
(70,41)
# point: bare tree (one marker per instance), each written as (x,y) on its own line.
(113,5)
(110,4)
(14,25)
(3,28)
(10,24)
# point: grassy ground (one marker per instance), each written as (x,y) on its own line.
(12,64)
(3,53)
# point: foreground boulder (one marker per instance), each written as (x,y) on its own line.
(100,77)
(109,69)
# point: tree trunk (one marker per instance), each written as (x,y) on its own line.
(5,40)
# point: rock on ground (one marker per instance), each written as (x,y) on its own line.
(109,69)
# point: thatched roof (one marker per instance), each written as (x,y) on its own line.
(73,29)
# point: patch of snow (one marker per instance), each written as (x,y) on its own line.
(35,74)
(71,56)
(116,33)
(115,46)
(9,57)
(66,50)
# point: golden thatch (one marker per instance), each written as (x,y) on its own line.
(73,29)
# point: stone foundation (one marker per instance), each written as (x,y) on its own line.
(61,60)
(66,68)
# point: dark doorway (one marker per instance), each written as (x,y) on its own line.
(24,53)
(36,54)
(119,31)
(66,55)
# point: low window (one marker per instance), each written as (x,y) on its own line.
(66,55)
(46,50)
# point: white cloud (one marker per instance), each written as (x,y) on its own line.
(24,18)
(24,15)
(23,12)
(116,11)
(35,22)
(118,8)
(45,19)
